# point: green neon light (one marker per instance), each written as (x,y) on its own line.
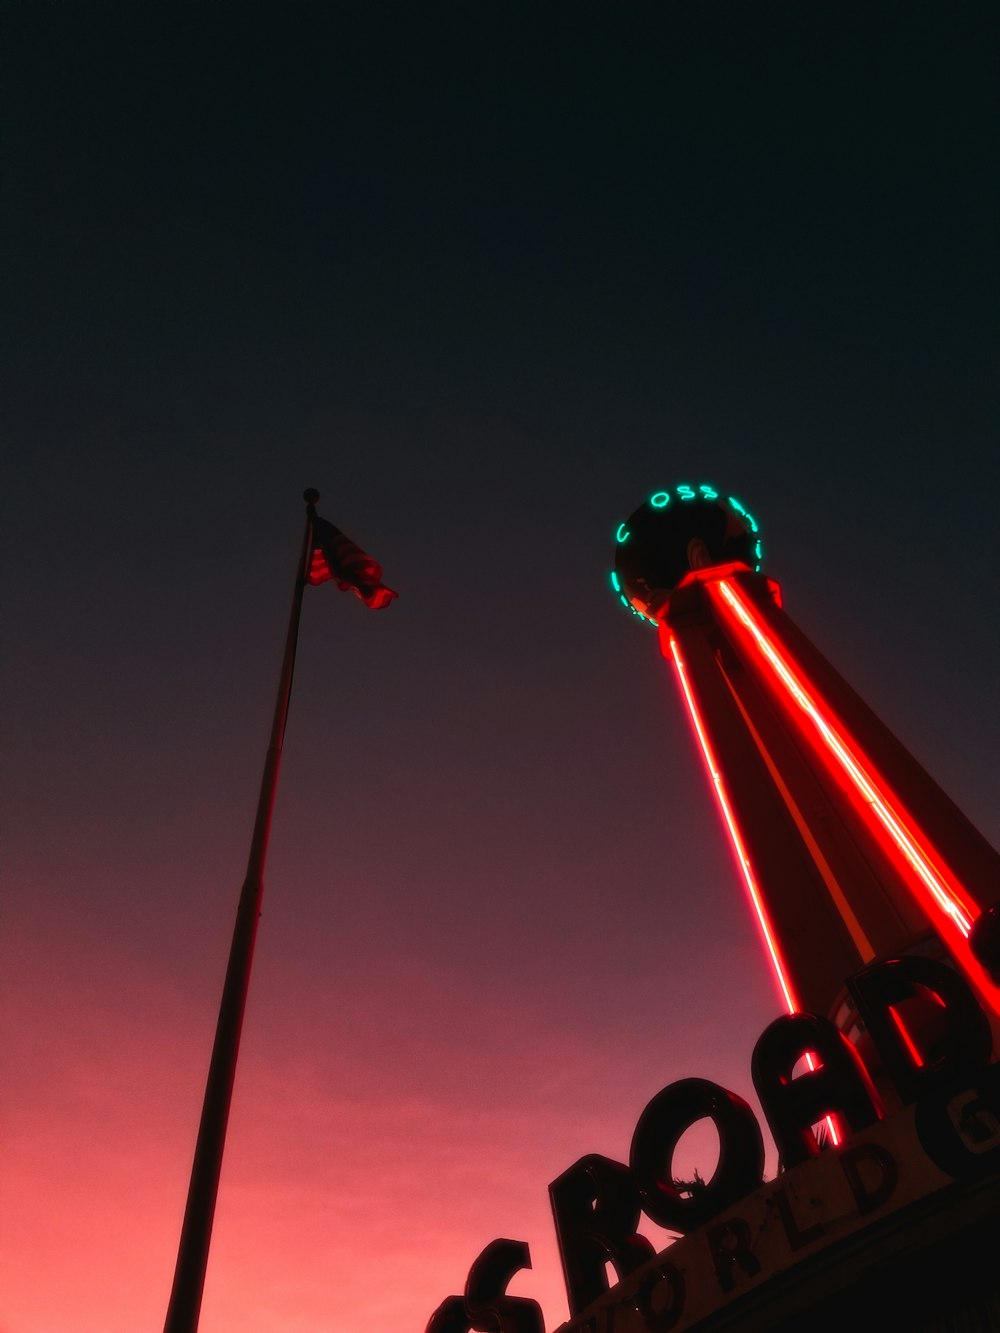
(660,500)
(753,524)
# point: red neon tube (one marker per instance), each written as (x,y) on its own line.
(749,878)
(746,869)
(923,870)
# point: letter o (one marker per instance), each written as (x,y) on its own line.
(660,1299)
(741,1152)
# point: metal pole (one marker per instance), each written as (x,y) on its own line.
(196,1231)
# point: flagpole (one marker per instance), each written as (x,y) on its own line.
(196,1232)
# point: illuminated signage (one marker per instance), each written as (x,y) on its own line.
(736,1230)
(674,531)
(848,853)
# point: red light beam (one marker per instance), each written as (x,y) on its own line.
(746,869)
(922,869)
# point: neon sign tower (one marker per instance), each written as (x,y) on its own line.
(877,905)
(848,850)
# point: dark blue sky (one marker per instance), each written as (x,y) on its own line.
(486,277)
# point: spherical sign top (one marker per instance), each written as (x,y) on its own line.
(675,531)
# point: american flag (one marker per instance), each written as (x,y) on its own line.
(336,557)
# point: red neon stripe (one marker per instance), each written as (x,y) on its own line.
(917,1058)
(715,773)
(749,878)
(923,870)
(876,797)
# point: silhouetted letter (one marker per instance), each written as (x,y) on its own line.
(872,1189)
(729,1243)
(797,1236)
(596,1209)
(660,1299)
(486,1304)
(486,1289)
(665,1119)
(449,1317)
(965,1044)
(840,1086)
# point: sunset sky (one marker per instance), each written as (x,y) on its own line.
(485,276)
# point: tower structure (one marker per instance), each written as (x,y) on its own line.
(876,901)
(848,850)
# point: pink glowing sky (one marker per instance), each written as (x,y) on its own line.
(395,1107)
(435,275)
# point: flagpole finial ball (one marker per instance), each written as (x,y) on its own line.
(310,495)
